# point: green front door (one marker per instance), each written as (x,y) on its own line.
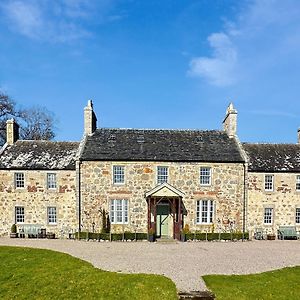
(162,220)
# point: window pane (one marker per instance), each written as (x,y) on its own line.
(118,174)
(268,216)
(298,215)
(298,183)
(162,175)
(19,180)
(269,182)
(205,176)
(51,181)
(19,214)
(52,215)
(204,211)
(119,211)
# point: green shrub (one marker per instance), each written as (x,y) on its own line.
(13,228)
(216,236)
(114,236)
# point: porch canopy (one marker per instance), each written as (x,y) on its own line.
(165,193)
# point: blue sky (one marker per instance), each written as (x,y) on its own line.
(156,64)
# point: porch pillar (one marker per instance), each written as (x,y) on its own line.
(179,214)
(149,212)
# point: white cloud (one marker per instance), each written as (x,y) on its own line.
(24,17)
(263,35)
(55,21)
(219,69)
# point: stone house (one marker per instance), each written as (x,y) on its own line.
(273,186)
(37,183)
(148,179)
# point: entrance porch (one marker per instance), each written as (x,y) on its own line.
(165,211)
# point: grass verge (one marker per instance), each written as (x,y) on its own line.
(28,273)
(275,285)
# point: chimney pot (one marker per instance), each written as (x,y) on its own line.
(12,131)
(90,119)
(230,121)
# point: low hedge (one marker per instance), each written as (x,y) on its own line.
(114,236)
(213,236)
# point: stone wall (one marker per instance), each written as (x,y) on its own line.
(35,198)
(284,200)
(98,190)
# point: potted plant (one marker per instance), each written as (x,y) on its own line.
(13,231)
(151,235)
(184,231)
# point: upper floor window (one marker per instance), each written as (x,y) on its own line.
(162,174)
(119,211)
(298,215)
(51,181)
(19,214)
(118,174)
(51,215)
(298,183)
(205,176)
(269,182)
(268,215)
(204,211)
(19,180)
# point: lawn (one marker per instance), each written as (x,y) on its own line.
(280,284)
(43,274)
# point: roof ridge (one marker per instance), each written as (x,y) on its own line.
(45,141)
(162,129)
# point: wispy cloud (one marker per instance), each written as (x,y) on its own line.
(55,21)
(263,34)
(218,69)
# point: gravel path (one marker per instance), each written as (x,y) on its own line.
(184,263)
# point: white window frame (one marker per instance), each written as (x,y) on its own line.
(19,180)
(297,215)
(162,174)
(205,176)
(269,184)
(51,181)
(119,209)
(205,210)
(268,215)
(297,183)
(19,214)
(51,215)
(118,175)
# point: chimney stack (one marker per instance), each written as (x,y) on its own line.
(12,132)
(230,121)
(90,119)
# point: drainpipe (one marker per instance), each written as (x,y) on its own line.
(244,204)
(79,199)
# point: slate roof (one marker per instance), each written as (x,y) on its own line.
(273,157)
(160,145)
(39,155)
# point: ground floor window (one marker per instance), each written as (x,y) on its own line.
(205,211)
(19,214)
(298,215)
(51,213)
(268,215)
(119,211)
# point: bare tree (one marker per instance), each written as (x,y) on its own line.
(36,123)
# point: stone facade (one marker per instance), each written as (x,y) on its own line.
(35,198)
(284,199)
(226,191)
(235,197)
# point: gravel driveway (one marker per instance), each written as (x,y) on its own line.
(184,263)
